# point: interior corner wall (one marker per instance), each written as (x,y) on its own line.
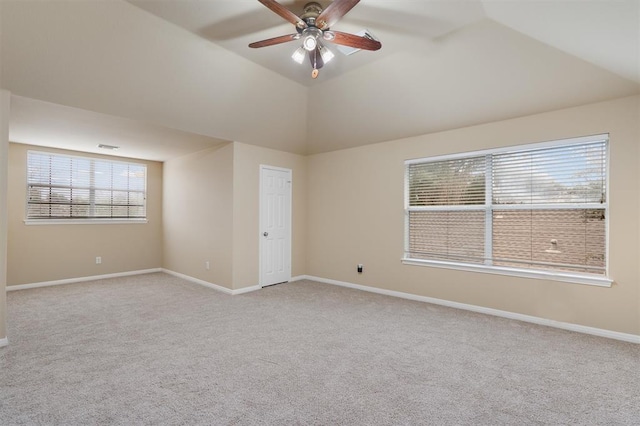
(246,205)
(5,99)
(356,215)
(198,215)
(637,138)
(51,252)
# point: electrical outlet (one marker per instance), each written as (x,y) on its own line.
(207,265)
(98,260)
(360,268)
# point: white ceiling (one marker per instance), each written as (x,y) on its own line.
(605,33)
(400,25)
(167,77)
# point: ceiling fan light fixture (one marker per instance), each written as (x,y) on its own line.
(310,37)
(329,36)
(299,55)
(326,54)
(309,43)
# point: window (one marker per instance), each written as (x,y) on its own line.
(540,208)
(62,187)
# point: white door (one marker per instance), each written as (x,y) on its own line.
(275,225)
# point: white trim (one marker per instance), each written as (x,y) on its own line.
(514,148)
(607,220)
(625,337)
(280,169)
(488,211)
(244,290)
(471,207)
(4,342)
(81,279)
(501,207)
(515,272)
(71,221)
(198,281)
(563,206)
(211,285)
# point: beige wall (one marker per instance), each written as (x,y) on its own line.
(198,215)
(39,253)
(211,213)
(347,209)
(355,207)
(5,97)
(246,202)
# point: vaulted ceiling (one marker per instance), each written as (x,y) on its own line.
(161,78)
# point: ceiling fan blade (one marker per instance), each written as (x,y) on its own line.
(316,59)
(352,40)
(334,12)
(275,40)
(285,13)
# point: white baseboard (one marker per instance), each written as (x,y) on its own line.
(211,285)
(632,338)
(4,342)
(245,290)
(81,279)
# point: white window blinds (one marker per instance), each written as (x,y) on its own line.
(447,183)
(535,207)
(69,187)
(446,217)
(565,175)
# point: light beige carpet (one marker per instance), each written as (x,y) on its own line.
(154,349)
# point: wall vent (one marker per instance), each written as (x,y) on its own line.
(110,147)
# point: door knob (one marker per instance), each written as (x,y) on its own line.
(266,234)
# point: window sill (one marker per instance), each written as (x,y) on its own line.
(85,221)
(515,272)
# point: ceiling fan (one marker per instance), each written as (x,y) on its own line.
(313,27)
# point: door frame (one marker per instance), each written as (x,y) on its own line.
(263,167)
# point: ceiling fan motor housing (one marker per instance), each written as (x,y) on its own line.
(311,34)
(311,11)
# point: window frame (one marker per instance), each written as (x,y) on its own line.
(488,207)
(83,220)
